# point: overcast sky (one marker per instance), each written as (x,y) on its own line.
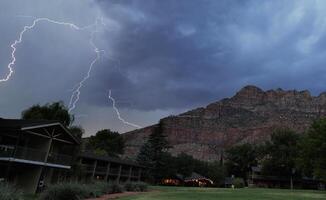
(161,57)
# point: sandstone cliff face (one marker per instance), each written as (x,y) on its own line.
(249,116)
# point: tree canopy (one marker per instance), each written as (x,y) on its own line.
(106,142)
(312,150)
(281,153)
(240,159)
(153,153)
(54,111)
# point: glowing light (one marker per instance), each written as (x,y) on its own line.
(118,112)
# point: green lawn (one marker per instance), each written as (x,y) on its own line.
(185,193)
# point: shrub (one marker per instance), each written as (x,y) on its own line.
(98,188)
(136,186)
(238,183)
(66,191)
(77,191)
(115,188)
(142,187)
(9,192)
(130,186)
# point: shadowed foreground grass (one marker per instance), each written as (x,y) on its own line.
(186,193)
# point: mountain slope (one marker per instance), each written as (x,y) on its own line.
(249,116)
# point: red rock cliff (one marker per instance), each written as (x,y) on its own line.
(249,116)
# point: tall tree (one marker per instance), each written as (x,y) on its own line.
(106,142)
(153,153)
(54,111)
(311,158)
(185,164)
(281,152)
(240,159)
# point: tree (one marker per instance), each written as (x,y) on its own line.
(185,164)
(281,152)
(55,111)
(240,159)
(77,132)
(311,157)
(106,142)
(154,152)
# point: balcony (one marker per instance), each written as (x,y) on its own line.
(114,171)
(125,172)
(101,170)
(23,153)
(30,154)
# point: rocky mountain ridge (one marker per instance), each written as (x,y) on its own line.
(250,115)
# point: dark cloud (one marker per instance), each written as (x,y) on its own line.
(163,55)
(186,53)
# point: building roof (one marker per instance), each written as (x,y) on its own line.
(256,169)
(24,124)
(93,156)
(196,176)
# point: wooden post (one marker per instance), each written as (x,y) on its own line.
(139,174)
(94,170)
(119,174)
(107,172)
(129,175)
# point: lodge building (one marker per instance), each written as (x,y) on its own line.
(34,153)
(109,169)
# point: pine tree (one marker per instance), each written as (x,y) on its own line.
(153,152)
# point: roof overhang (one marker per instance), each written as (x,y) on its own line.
(26,128)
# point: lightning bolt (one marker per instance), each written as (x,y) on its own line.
(118,112)
(20,40)
(76,93)
(76,89)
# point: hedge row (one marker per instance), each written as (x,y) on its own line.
(77,191)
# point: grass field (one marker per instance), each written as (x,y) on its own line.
(182,193)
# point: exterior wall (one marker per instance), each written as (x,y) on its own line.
(110,171)
(27,161)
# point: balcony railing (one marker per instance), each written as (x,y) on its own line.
(125,172)
(87,168)
(22,153)
(114,171)
(31,154)
(6,151)
(101,169)
(135,173)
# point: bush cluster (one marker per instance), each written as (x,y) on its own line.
(77,191)
(9,192)
(136,186)
(238,183)
(67,191)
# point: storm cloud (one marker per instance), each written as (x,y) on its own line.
(162,57)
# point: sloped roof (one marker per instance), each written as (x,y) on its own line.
(256,169)
(23,124)
(194,176)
